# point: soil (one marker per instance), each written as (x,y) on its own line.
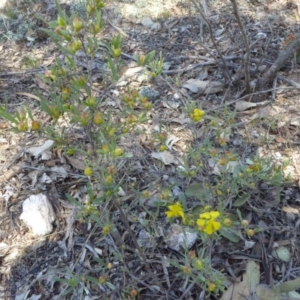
(29,265)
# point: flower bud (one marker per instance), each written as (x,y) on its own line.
(84,119)
(22,126)
(81,81)
(109,179)
(77,24)
(198,264)
(227,222)
(90,101)
(54,113)
(61,22)
(116,51)
(65,94)
(94,29)
(35,125)
(118,152)
(71,151)
(88,171)
(97,118)
(250,232)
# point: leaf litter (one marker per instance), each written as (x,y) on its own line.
(57,251)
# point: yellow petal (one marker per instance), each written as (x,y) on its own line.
(216,225)
(209,228)
(181,214)
(169,214)
(201,222)
(205,216)
(214,214)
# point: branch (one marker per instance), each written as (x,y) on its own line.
(247,56)
(283,56)
(213,40)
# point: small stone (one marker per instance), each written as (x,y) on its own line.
(178,237)
(38,214)
(144,239)
(155,26)
(147,22)
(150,93)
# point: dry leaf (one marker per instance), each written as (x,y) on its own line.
(291,210)
(244,105)
(206,87)
(237,291)
(181,120)
(76,163)
(295,122)
(166,157)
(37,151)
(171,104)
(171,140)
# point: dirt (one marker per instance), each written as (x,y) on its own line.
(30,265)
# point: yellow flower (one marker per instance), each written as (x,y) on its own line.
(207,222)
(175,210)
(197,114)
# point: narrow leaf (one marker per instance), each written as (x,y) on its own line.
(229,235)
(241,200)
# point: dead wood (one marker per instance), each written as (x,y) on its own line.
(268,77)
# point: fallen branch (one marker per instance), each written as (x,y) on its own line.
(283,56)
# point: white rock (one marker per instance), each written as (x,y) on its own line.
(155,26)
(144,239)
(4,248)
(38,214)
(147,22)
(37,151)
(180,237)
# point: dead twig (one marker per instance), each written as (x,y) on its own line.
(247,55)
(289,81)
(283,56)
(138,248)
(213,41)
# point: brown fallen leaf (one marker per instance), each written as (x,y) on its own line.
(238,290)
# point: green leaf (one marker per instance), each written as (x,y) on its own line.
(229,235)
(241,200)
(239,214)
(100,261)
(111,286)
(52,34)
(7,116)
(92,279)
(253,275)
(73,200)
(60,11)
(113,68)
(196,190)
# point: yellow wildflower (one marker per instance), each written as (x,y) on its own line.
(197,114)
(175,210)
(207,222)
